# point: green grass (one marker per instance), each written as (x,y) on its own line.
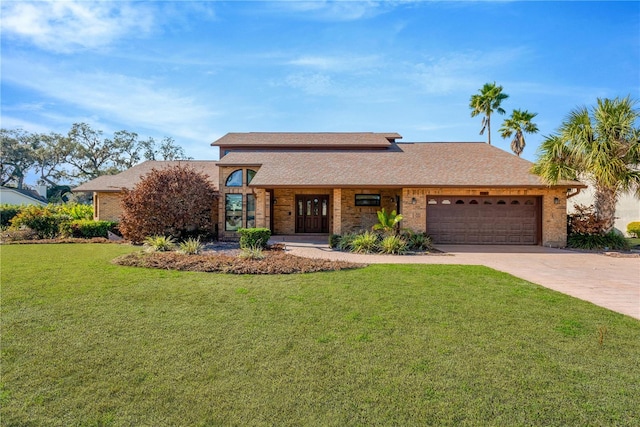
(87,343)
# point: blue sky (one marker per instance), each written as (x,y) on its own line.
(197,70)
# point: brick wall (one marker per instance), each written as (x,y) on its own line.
(106,206)
(554,208)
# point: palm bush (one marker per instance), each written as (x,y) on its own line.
(345,242)
(159,243)
(418,241)
(388,222)
(611,240)
(190,246)
(365,243)
(395,245)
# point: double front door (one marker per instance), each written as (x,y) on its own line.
(312,214)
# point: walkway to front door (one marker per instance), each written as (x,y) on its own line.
(312,213)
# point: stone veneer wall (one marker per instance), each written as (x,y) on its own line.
(554,215)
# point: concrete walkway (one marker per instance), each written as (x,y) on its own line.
(608,281)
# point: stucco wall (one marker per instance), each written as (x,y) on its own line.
(627,208)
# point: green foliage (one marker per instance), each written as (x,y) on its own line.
(87,228)
(345,242)
(611,240)
(388,222)
(76,211)
(395,245)
(191,246)
(417,241)
(159,243)
(252,252)
(633,228)
(365,243)
(334,240)
(17,234)
(44,220)
(486,102)
(254,237)
(7,212)
(517,125)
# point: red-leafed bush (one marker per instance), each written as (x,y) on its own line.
(174,201)
(586,221)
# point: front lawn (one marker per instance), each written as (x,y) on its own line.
(86,342)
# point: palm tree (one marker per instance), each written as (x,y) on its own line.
(486,102)
(600,145)
(519,123)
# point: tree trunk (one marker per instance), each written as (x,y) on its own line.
(605,206)
(489,128)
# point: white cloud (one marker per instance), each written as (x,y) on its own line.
(133,101)
(310,83)
(325,10)
(68,26)
(337,63)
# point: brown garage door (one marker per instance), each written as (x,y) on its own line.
(484,220)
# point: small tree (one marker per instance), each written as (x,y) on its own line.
(174,201)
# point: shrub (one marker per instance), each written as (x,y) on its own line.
(633,228)
(76,211)
(611,240)
(7,212)
(255,252)
(366,242)
(393,245)
(159,243)
(334,240)
(87,228)
(388,222)
(175,201)
(585,221)
(418,241)
(44,220)
(252,237)
(345,241)
(190,246)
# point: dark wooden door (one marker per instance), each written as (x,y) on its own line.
(312,214)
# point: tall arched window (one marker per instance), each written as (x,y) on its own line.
(235,179)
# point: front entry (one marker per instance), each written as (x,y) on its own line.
(312,214)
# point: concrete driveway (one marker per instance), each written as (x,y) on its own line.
(608,281)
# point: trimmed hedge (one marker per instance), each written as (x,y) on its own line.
(254,237)
(87,228)
(633,228)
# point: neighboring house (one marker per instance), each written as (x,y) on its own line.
(334,183)
(627,208)
(14,196)
(107,189)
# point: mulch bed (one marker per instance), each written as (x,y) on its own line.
(275,262)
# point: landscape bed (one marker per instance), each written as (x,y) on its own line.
(88,342)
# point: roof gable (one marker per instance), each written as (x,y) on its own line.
(306,140)
(129,178)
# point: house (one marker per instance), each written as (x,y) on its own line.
(15,196)
(334,183)
(107,189)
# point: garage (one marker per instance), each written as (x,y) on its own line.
(484,220)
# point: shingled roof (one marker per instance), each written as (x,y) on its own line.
(129,178)
(402,165)
(329,140)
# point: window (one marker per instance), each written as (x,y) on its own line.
(473,202)
(446,202)
(515,202)
(235,179)
(367,200)
(432,202)
(233,211)
(501,202)
(459,202)
(250,174)
(251,211)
